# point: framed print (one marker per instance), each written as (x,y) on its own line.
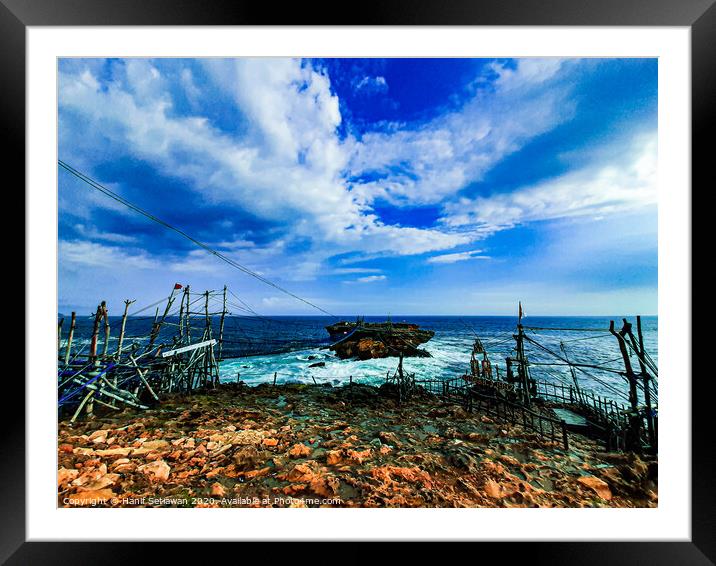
(409,277)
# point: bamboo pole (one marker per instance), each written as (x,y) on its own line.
(206,314)
(186,315)
(221,328)
(95,332)
(158,323)
(59,334)
(81,406)
(105,316)
(207,336)
(181,317)
(68,348)
(522,368)
(127,302)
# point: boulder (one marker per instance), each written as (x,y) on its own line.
(599,487)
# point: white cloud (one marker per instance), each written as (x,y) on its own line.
(425,164)
(91,233)
(193,93)
(79,254)
(353,270)
(371,85)
(368,279)
(617,180)
(287,165)
(460,256)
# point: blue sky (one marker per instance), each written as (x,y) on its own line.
(367,186)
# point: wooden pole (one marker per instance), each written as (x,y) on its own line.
(122,327)
(158,323)
(634,420)
(59,335)
(522,368)
(207,336)
(181,318)
(206,313)
(647,385)
(221,328)
(188,314)
(400,378)
(95,333)
(68,349)
(633,399)
(105,316)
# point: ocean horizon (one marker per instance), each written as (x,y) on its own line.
(289,346)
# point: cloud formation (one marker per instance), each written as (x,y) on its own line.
(425,163)
(256,158)
(285,167)
(615,181)
(458,256)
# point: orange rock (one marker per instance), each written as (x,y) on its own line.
(333,457)
(600,487)
(217,490)
(256,473)
(66,448)
(83,451)
(98,436)
(300,473)
(359,457)
(125,468)
(155,444)
(299,450)
(65,476)
(413,475)
(114,452)
(158,471)
(510,460)
(100,483)
(476,436)
(325,486)
(495,467)
(493,489)
(269,441)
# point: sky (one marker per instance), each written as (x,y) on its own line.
(365,186)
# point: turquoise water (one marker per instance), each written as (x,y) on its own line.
(450,349)
(256,348)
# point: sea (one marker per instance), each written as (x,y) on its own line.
(259,349)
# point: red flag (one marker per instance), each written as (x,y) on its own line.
(177,286)
(521,313)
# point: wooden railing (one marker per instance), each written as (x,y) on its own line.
(459,390)
(515,413)
(600,409)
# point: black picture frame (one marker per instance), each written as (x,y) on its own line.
(699,15)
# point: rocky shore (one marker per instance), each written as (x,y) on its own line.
(311,445)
